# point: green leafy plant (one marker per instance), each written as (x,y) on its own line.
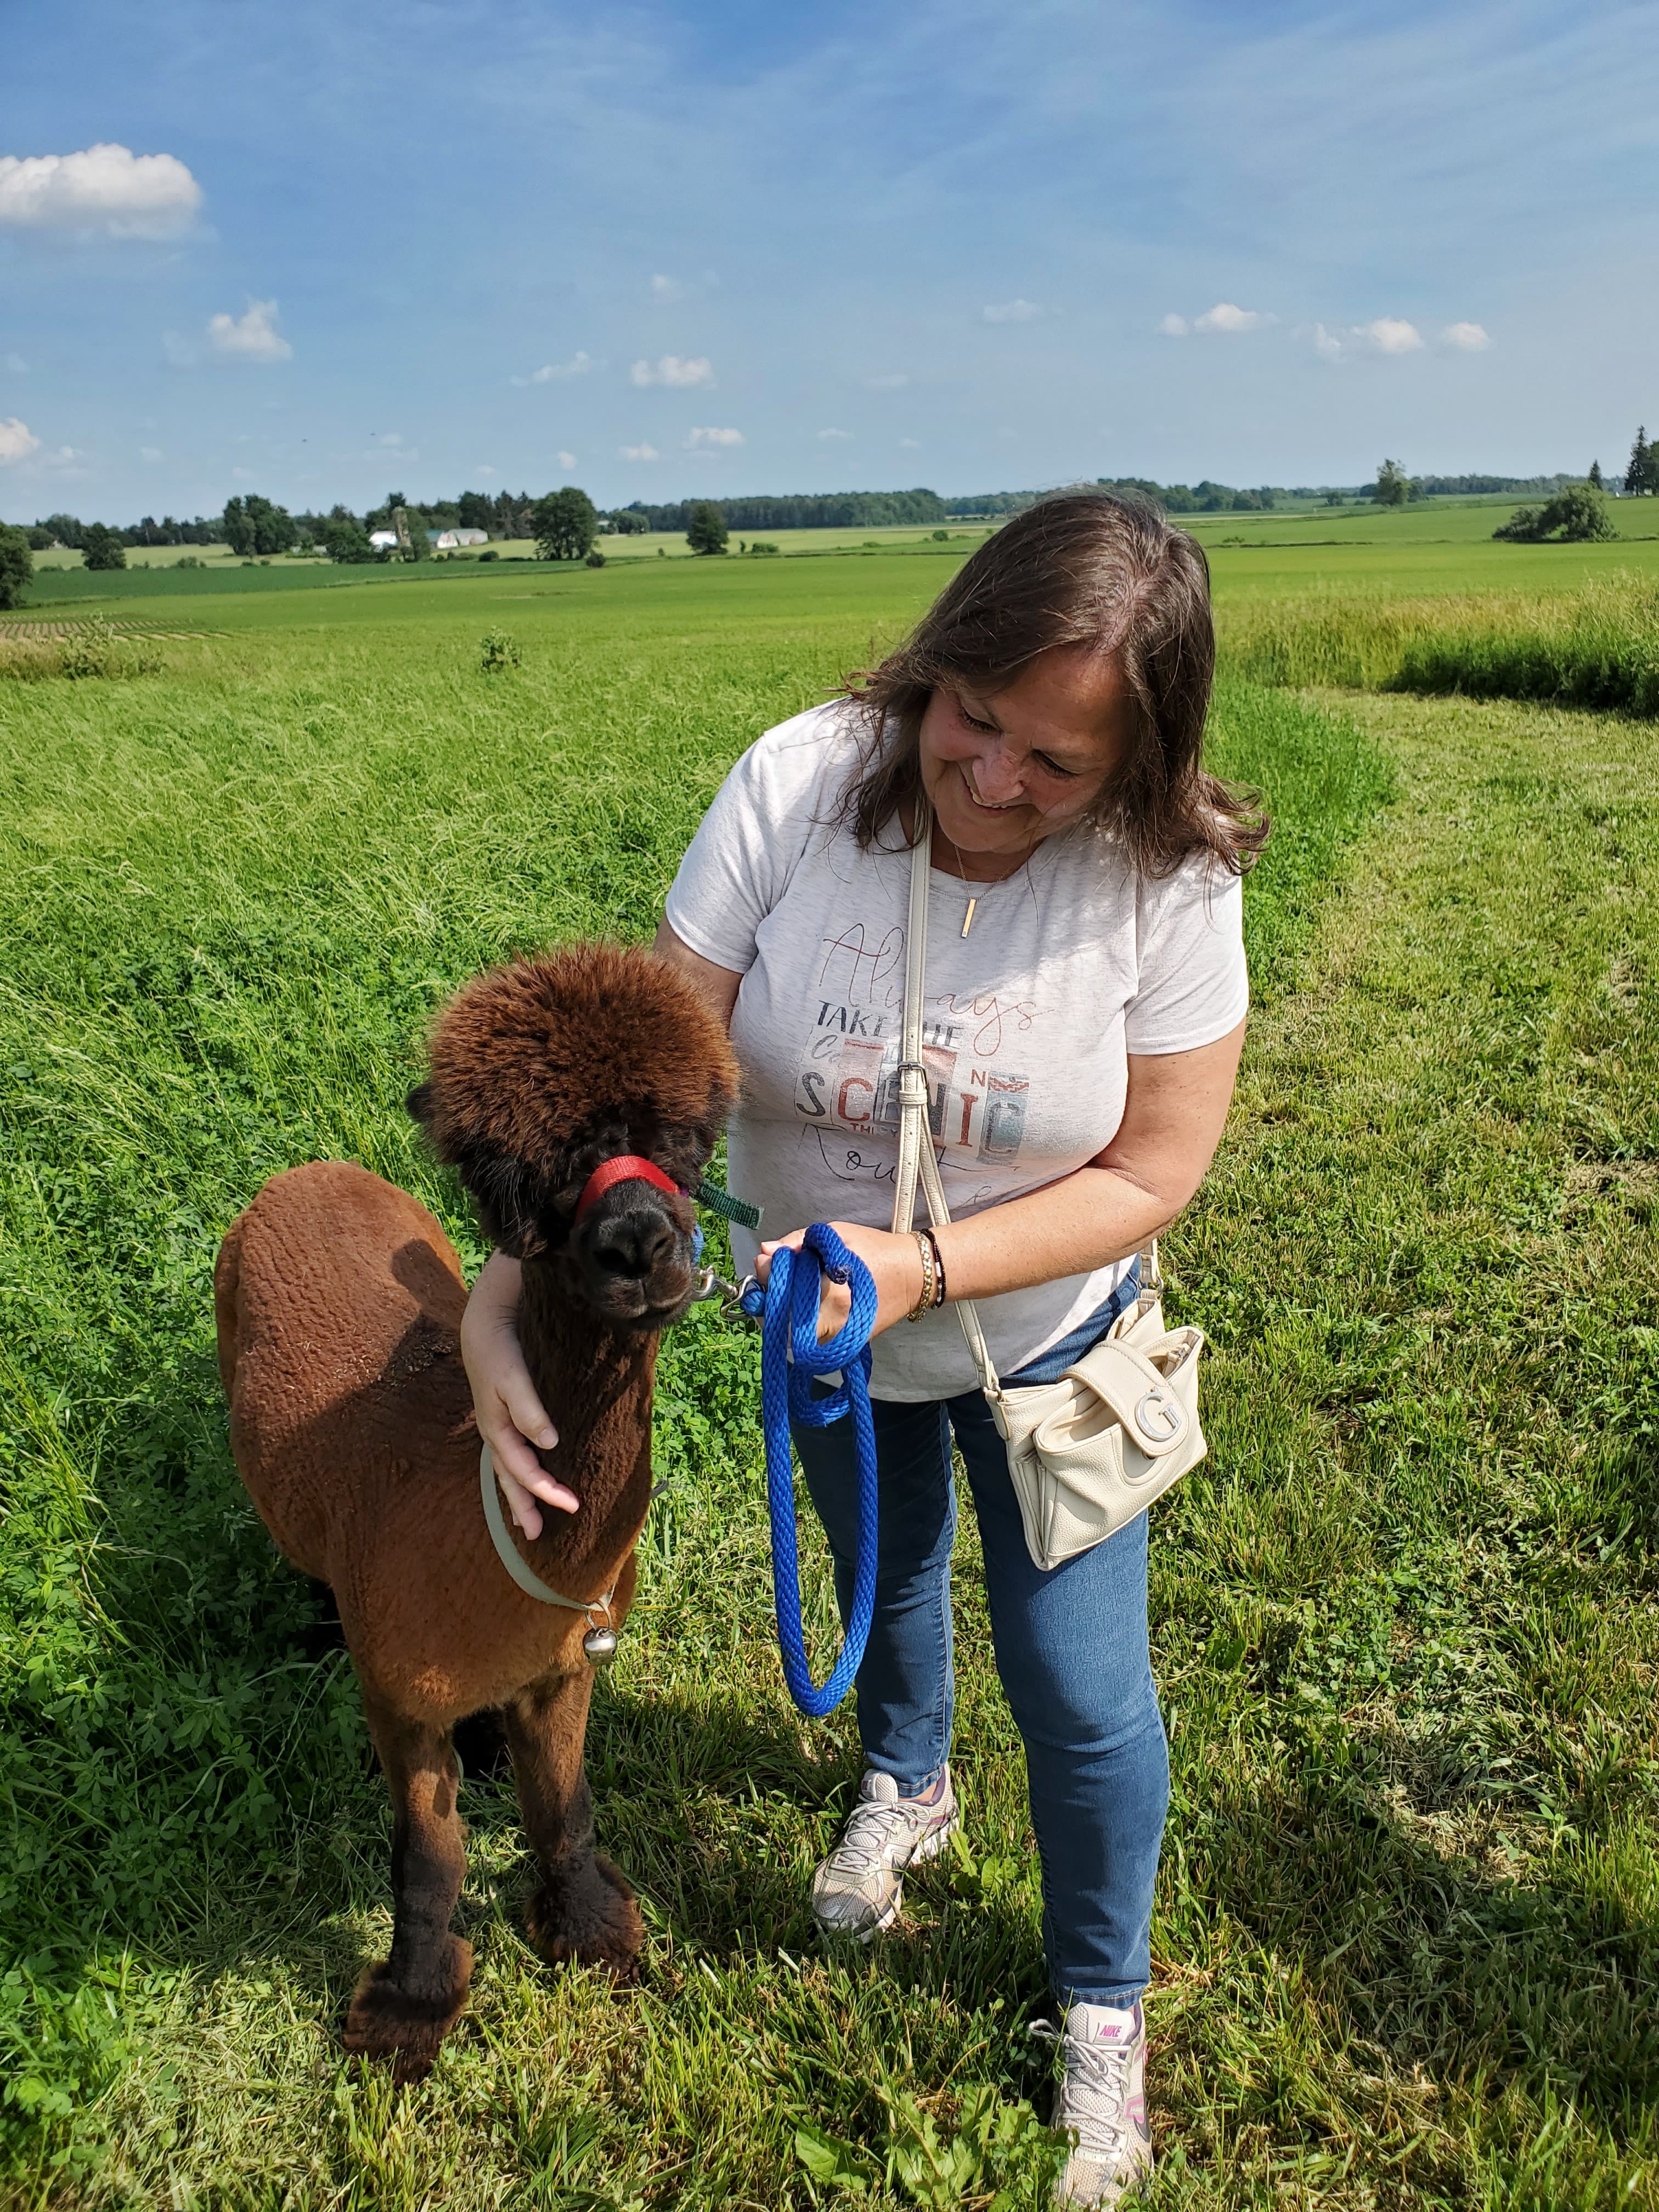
(987,2159)
(498,649)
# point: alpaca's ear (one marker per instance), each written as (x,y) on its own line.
(420,1104)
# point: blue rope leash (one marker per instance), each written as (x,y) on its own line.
(788,1312)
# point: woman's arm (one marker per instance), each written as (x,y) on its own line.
(1174,1113)
(718,985)
(512,1418)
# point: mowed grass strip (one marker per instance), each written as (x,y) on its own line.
(1403,1613)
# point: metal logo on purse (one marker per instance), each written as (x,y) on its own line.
(1088,1452)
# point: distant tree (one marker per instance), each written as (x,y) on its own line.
(1595,476)
(67,530)
(1577,516)
(41,538)
(565,525)
(255,525)
(595,559)
(102,547)
(343,538)
(705,528)
(473,511)
(16,566)
(1393,486)
(629,522)
(1639,476)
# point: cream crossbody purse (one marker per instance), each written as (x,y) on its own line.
(1090,1452)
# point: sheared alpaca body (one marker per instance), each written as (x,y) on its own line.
(340,1301)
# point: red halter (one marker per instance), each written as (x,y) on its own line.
(626,1167)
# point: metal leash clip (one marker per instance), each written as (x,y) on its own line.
(731,1295)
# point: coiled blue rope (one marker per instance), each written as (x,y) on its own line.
(791,1357)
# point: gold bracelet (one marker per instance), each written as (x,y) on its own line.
(929,1278)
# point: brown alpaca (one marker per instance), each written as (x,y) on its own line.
(339,1303)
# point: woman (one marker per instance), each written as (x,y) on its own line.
(1085,1002)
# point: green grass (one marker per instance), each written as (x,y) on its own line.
(1404,1614)
(1596,647)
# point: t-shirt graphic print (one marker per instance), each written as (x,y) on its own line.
(849,1077)
(1073,963)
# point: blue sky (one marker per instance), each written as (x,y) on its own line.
(726,248)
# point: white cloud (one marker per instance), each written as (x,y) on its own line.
(565,460)
(1390,335)
(715,438)
(390,437)
(835,434)
(1013,310)
(1465,337)
(667,288)
(17,440)
(1174,326)
(1385,334)
(671,370)
(151,453)
(551,372)
(912,445)
(1226,318)
(484,469)
(639,453)
(107,187)
(251,336)
(885,383)
(15,365)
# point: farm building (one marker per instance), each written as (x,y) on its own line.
(383,541)
(449,541)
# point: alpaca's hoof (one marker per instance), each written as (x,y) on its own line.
(584,1915)
(386,2022)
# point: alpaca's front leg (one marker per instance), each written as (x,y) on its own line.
(584,1913)
(403,2008)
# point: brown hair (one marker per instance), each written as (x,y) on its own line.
(1082,569)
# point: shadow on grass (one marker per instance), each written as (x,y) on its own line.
(1409,1936)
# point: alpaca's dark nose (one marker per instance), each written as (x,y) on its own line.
(635,1243)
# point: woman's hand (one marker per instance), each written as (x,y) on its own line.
(894,1262)
(512,1418)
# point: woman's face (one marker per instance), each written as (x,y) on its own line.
(1007,770)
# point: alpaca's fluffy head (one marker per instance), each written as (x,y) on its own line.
(543,1070)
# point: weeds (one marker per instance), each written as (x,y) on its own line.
(498,650)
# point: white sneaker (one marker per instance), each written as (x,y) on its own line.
(1102,2106)
(858,1889)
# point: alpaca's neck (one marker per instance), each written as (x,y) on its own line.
(595,1382)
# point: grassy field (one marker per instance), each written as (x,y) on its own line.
(1356,553)
(1404,1615)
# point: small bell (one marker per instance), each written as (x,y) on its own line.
(600,1645)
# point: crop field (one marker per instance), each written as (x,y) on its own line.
(1406,1616)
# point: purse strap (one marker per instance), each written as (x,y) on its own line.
(917,1163)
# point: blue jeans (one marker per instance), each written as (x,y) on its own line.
(1071,1651)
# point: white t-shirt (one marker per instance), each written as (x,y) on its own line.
(1071,964)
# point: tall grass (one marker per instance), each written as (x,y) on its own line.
(1597,648)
